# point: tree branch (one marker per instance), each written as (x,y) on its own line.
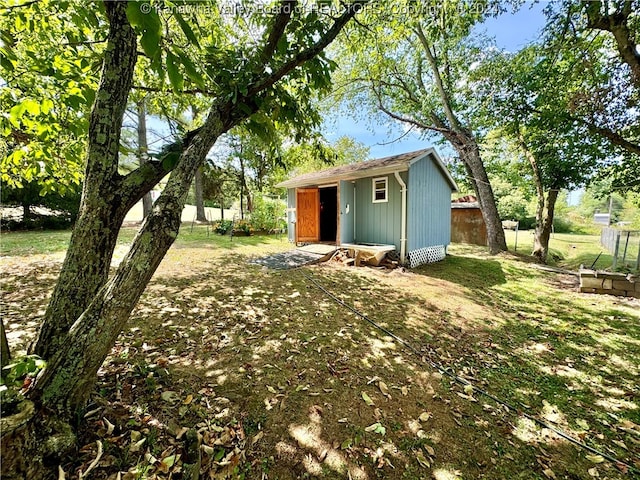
(616,23)
(277,30)
(614,137)
(21,5)
(444,96)
(191,91)
(408,120)
(324,41)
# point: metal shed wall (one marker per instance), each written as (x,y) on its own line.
(347,212)
(467,226)
(378,222)
(428,206)
(291,214)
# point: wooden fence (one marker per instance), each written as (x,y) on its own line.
(624,246)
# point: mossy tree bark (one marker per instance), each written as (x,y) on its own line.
(70,375)
(103,207)
(88,310)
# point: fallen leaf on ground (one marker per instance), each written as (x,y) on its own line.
(367,399)
(135,447)
(169,396)
(377,428)
(422,460)
(384,389)
(425,416)
(257,437)
(595,458)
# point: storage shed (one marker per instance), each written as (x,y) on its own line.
(402,201)
(467,222)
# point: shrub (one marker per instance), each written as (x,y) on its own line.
(242,226)
(222,227)
(267,215)
(562,225)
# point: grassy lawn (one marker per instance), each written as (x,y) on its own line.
(572,250)
(281,382)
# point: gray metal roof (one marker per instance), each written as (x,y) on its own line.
(369,168)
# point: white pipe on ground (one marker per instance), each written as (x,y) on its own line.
(403,221)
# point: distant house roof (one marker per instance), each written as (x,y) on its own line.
(369,168)
(456,204)
(465,199)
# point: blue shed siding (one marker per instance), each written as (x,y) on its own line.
(428,206)
(378,222)
(347,212)
(291,214)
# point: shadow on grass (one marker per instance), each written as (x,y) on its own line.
(268,348)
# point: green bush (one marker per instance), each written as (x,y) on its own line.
(267,215)
(243,226)
(222,227)
(563,225)
(63,207)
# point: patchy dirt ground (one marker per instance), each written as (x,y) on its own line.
(282,382)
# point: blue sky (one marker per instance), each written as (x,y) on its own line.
(511,31)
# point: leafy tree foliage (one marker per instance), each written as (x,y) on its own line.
(415,70)
(605,32)
(48,57)
(528,97)
(259,62)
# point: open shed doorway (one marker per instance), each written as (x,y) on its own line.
(328,214)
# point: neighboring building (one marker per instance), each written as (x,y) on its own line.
(602,219)
(467,223)
(402,201)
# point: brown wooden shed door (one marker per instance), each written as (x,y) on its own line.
(308,215)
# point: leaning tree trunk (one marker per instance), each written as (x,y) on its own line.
(469,152)
(42,433)
(464,142)
(83,339)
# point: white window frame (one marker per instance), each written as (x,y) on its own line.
(374,189)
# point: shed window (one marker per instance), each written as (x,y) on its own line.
(380,188)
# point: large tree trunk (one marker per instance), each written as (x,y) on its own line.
(467,148)
(464,142)
(544,210)
(201,215)
(544,225)
(102,210)
(143,153)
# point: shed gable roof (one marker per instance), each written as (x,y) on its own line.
(369,168)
